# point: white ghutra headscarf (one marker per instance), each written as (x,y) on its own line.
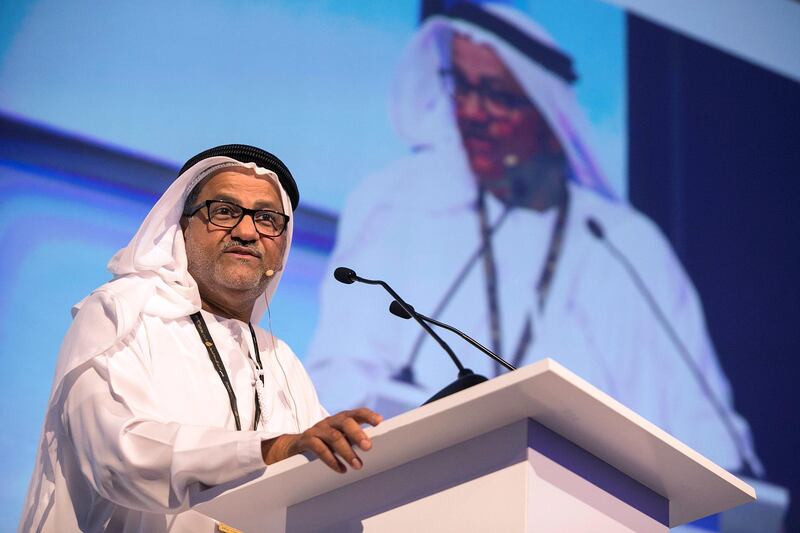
(422,112)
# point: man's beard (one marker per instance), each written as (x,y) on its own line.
(247,280)
(526,179)
(529,182)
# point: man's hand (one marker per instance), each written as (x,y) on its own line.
(327,439)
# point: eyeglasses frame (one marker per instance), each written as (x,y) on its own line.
(245,211)
(482,91)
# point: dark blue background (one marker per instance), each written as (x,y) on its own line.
(714,153)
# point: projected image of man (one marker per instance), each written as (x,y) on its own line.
(502,163)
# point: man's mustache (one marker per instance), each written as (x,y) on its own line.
(475,130)
(241,244)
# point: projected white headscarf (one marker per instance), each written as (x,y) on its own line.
(422,110)
(150,278)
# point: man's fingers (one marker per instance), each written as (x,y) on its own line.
(321,450)
(363,415)
(350,423)
(340,444)
(355,434)
(336,435)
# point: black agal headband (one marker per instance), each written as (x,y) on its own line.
(250,154)
(548,57)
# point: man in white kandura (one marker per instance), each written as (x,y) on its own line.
(165,380)
(484,226)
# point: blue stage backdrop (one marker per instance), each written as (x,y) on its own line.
(100,103)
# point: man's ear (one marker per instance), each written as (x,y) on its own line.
(184,222)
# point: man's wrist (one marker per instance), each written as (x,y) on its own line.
(277,449)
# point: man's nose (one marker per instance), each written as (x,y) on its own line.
(246,229)
(472,105)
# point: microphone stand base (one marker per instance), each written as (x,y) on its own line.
(405,375)
(466,379)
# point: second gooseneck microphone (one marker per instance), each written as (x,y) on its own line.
(597,231)
(397,310)
(466,377)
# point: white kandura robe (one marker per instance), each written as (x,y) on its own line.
(137,414)
(147,421)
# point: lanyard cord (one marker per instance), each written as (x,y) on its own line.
(490,275)
(259,373)
(542,286)
(213,354)
(406,372)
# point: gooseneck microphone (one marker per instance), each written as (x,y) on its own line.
(406,373)
(466,377)
(397,310)
(596,229)
(348,276)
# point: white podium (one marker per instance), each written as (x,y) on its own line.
(537,449)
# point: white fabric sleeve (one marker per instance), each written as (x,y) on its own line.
(300,387)
(137,461)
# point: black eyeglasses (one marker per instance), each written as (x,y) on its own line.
(228,215)
(500,101)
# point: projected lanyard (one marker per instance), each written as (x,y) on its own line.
(216,360)
(542,285)
(486,251)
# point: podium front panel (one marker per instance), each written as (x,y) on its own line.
(522,477)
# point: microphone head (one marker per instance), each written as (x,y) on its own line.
(345,275)
(595,228)
(397,310)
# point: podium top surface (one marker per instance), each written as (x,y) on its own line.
(544,391)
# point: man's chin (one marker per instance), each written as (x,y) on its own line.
(486,168)
(242,278)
